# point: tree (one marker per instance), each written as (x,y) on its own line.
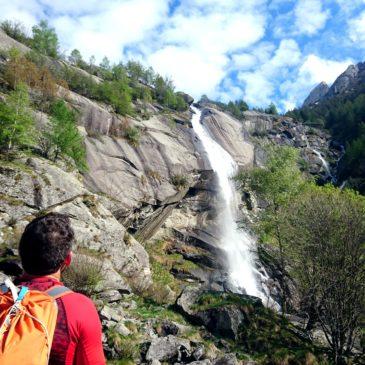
(105,63)
(45,39)
(64,136)
(277,183)
(16,121)
(271,109)
(76,58)
(323,236)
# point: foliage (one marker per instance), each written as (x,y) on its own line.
(133,135)
(165,94)
(320,233)
(279,180)
(64,136)
(180,181)
(20,69)
(271,109)
(323,236)
(45,39)
(344,117)
(277,183)
(236,108)
(16,30)
(16,121)
(118,94)
(83,275)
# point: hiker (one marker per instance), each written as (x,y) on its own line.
(45,251)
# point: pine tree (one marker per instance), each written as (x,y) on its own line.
(65,137)
(16,121)
(45,39)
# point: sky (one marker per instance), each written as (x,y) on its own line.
(258,50)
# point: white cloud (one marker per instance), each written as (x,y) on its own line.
(356,30)
(349,5)
(313,70)
(310,17)
(190,70)
(260,84)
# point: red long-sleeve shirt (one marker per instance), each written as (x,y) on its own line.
(77,338)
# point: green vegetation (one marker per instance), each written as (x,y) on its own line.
(16,121)
(16,30)
(180,181)
(45,39)
(236,108)
(63,137)
(84,275)
(132,134)
(344,118)
(319,232)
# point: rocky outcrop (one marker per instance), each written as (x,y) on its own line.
(31,186)
(230,134)
(317,94)
(348,81)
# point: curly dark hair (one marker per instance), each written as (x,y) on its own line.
(45,244)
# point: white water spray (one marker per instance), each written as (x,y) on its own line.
(237,243)
(324,163)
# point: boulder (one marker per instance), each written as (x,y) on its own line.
(170,348)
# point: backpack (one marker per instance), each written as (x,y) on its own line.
(27,323)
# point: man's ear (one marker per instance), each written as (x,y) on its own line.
(68,259)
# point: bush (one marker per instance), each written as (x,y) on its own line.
(63,136)
(180,181)
(83,275)
(16,121)
(132,135)
(45,39)
(16,30)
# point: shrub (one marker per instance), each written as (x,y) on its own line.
(132,135)
(16,30)
(16,121)
(64,136)
(83,275)
(180,181)
(45,39)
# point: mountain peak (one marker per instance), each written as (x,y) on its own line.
(316,94)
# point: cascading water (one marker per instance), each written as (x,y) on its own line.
(237,243)
(324,163)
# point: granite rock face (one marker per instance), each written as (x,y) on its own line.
(30,186)
(317,94)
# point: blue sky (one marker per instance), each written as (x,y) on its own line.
(259,50)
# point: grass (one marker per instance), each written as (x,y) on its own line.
(83,275)
(179,181)
(132,135)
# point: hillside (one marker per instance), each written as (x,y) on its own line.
(340,109)
(146,208)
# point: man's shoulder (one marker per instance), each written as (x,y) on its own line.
(78,299)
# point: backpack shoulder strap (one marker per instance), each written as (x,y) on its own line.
(58,291)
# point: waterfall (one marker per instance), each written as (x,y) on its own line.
(324,163)
(237,244)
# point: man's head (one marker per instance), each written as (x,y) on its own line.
(46,244)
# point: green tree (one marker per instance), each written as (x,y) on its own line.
(271,109)
(64,135)
(16,121)
(76,58)
(45,39)
(277,183)
(323,238)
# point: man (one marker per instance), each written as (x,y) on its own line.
(45,250)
